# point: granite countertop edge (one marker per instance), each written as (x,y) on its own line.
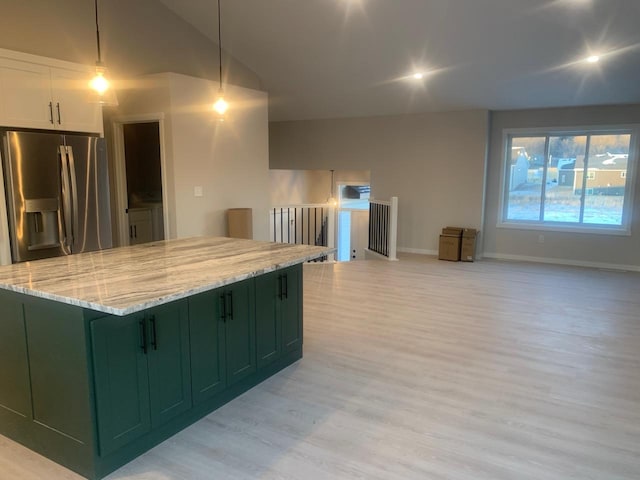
(216,282)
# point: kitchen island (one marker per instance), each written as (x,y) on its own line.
(105,354)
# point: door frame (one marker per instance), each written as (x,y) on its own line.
(339,184)
(120,171)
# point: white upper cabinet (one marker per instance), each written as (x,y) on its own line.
(36,95)
(25,95)
(70,93)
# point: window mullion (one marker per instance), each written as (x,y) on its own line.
(543,190)
(585,172)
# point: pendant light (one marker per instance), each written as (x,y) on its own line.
(332,200)
(101,89)
(220,105)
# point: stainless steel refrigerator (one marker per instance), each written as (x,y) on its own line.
(57,194)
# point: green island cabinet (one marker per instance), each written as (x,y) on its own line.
(93,391)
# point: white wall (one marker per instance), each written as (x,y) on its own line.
(295,187)
(228,160)
(137,37)
(434,163)
(575,248)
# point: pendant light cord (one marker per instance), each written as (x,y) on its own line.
(219,47)
(98,34)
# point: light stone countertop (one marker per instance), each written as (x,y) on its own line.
(125,280)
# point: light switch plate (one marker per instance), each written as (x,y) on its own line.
(197,191)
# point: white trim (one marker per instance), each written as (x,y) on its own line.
(561,261)
(44,61)
(419,251)
(141,118)
(121,174)
(304,205)
(566,228)
(393,229)
(634,157)
(380,202)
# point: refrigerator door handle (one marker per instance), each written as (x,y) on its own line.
(67,235)
(74,195)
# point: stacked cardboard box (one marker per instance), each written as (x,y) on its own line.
(468,245)
(450,241)
(457,244)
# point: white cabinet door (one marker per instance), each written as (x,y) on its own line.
(25,95)
(72,110)
(40,96)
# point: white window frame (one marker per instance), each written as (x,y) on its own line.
(634,150)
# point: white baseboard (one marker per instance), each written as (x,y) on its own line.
(419,251)
(562,261)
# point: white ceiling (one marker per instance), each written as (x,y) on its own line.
(345,58)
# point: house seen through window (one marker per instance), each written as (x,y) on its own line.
(568,180)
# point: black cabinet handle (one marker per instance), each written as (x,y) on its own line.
(223,308)
(280,287)
(154,334)
(59,117)
(143,337)
(285,293)
(51,112)
(230,297)
(135,231)
(130,231)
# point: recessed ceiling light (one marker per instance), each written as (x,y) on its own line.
(418,76)
(593,59)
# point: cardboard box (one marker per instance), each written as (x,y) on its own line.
(449,248)
(240,223)
(453,231)
(468,245)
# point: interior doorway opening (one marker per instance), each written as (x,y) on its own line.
(140,180)
(353,220)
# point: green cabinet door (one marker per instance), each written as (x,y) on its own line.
(208,373)
(291,308)
(15,390)
(121,380)
(268,324)
(169,361)
(240,329)
(278,314)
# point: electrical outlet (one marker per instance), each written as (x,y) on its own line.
(540,238)
(197,191)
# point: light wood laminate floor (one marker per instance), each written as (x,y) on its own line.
(422,369)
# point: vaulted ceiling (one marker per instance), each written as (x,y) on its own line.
(345,58)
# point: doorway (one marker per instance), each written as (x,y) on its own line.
(140,181)
(353,220)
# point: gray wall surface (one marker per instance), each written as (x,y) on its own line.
(137,37)
(564,247)
(433,162)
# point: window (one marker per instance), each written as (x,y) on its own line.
(568,180)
